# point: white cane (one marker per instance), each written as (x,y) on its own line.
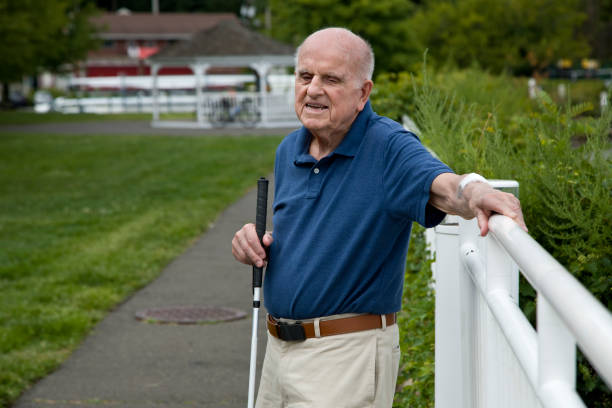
(260,227)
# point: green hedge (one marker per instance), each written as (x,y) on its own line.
(415,384)
(559,154)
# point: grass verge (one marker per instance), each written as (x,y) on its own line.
(87,220)
(29,118)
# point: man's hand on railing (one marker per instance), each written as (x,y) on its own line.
(485,201)
(476,198)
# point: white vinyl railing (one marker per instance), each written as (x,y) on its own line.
(487,353)
(217,109)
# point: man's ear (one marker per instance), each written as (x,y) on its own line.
(365,89)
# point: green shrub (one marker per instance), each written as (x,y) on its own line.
(582,91)
(565,190)
(415,383)
(557,153)
(502,95)
(393,94)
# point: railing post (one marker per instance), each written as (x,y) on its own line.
(454,291)
(490,352)
(199,71)
(155,92)
(489,383)
(467,351)
(262,69)
(556,358)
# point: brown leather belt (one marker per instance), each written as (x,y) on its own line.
(302,331)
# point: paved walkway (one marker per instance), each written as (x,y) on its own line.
(127,363)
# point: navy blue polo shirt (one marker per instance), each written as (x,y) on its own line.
(342,224)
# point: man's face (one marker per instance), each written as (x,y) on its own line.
(328,93)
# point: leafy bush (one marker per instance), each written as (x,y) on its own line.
(415,384)
(557,153)
(583,91)
(518,35)
(394,94)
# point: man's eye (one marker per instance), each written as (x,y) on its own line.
(305,77)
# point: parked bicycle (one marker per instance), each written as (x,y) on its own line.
(231,110)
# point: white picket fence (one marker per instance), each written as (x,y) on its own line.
(487,354)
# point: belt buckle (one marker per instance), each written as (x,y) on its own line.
(290,331)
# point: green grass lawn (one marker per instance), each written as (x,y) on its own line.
(26,117)
(87,220)
(8,117)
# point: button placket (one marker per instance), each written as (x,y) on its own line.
(315,179)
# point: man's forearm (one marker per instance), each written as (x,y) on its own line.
(451,196)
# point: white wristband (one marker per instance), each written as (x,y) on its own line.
(470,178)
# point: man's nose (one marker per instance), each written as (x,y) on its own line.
(315,87)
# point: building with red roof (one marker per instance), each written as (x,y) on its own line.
(128,39)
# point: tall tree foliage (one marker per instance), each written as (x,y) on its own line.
(216,6)
(598,28)
(42,35)
(382,22)
(520,36)
(514,35)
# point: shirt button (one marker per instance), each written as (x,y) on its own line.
(316,171)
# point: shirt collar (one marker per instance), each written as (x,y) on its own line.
(349,145)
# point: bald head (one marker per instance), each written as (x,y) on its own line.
(357,51)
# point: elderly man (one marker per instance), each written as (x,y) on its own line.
(348,186)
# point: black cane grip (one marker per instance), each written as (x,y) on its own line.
(262,208)
(260,223)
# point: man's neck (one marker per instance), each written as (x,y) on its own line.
(323,146)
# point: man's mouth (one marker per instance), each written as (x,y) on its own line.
(316,106)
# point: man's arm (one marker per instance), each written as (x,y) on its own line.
(477,199)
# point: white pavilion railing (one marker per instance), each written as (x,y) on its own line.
(211,109)
(487,353)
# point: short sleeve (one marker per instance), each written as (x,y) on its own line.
(408,174)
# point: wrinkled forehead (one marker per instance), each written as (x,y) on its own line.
(334,57)
(329,56)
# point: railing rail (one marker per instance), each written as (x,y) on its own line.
(587,319)
(487,352)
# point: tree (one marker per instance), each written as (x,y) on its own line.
(598,28)
(42,35)
(165,6)
(520,36)
(381,22)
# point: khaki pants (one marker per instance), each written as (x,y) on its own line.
(349,370)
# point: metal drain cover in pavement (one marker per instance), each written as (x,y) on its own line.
(190,314)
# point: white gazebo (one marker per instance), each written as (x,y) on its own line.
(228,44)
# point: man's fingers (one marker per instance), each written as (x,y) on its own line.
(253,250)
(511,207)
(267,239)
(246,247)
(500,203)
(238,251)
(483,222)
